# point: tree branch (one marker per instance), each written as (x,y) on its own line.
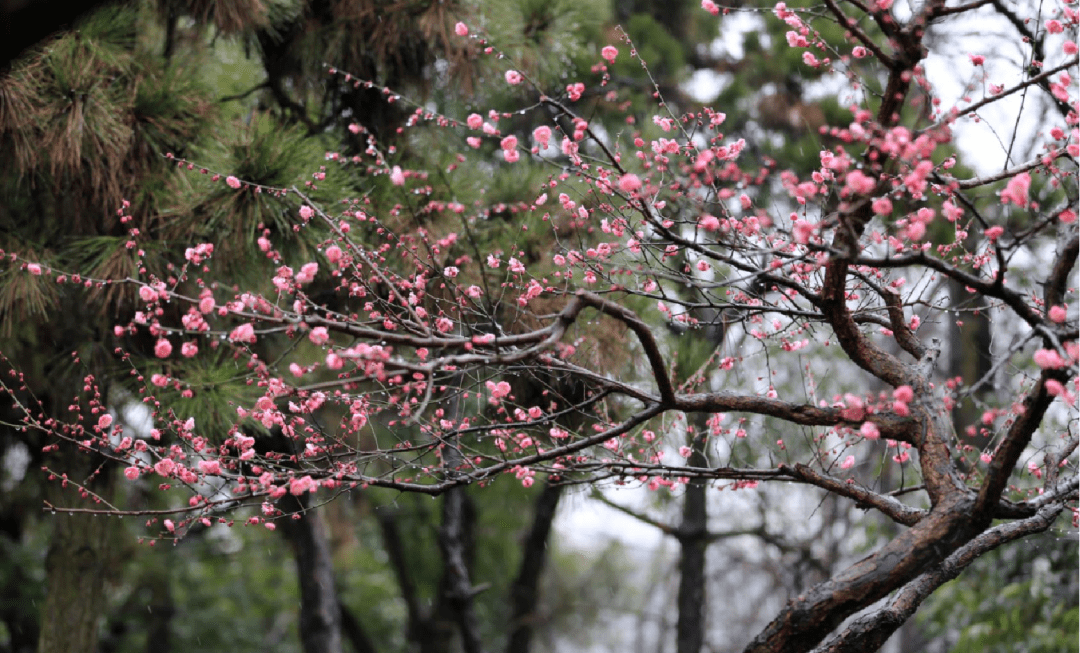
(1013,444)
(975,182)
(869,633)
(864,497)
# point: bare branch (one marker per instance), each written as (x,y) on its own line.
(864,498)
(975,182)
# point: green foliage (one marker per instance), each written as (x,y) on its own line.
(549,40)
(267,156)
(1013,599)
(225,589)
(208,392)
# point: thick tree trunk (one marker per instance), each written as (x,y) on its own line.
(693,540)
(524,593)
(457,544)
(456,540)
(81,557)
(320,616)
(426,633)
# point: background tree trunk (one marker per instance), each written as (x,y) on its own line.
(693,534)
(525,592)
(80,559)
(320,615)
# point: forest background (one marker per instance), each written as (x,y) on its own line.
(96,115)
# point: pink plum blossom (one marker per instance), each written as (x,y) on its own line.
(165,467)
(859,183)
(542,135)
(397,177)
(162,348)
(243,333)
(1049,359)
(882,206)
(1016,191)
(629,183)
(319,336)
(709,222)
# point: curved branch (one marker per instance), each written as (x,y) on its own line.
(644,335)
(1065,489)
(890,425)
(864,497)
(810,617)
(870,632)
(1059,275)
(850,25)
(1013,300)
(1012,446)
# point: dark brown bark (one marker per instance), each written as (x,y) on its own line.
(811,616)
(693,535)
(82,556)
(525,592)
(320,616)
(457,544)
(869,633)
(456,540)
(161,609)
(427,634)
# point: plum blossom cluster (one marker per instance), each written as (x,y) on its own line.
(396,353)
